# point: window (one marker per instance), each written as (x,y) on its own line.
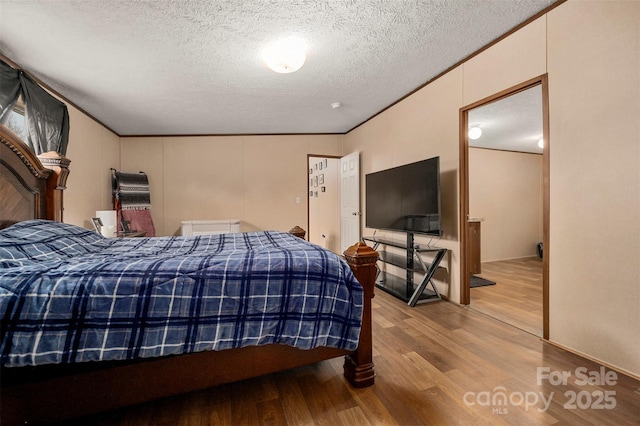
(16,122)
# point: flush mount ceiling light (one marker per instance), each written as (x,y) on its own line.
(286,55)
(335,105)
(475,133)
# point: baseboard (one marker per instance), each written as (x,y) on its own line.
(597,361)
(512,258)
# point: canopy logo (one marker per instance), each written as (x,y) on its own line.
(499,400)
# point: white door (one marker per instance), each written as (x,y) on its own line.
(349,200)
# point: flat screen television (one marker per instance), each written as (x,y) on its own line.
(405,198)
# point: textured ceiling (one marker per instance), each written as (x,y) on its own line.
(194,67)
(513,123)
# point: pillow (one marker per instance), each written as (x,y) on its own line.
(44,240)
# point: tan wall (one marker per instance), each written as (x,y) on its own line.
(592,49)
(147,155)
(93,151)
(505,189)
(255,179)
(594,81)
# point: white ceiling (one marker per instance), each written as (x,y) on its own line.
(513,123)
(193,67)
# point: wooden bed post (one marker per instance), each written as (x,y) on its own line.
(298,232)
(358,366)
(57,183)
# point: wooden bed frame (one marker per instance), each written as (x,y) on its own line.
(31,187)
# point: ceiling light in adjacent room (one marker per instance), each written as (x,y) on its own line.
(286,56)
(475,133)
(541,143)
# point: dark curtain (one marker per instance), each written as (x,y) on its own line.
(9,90)
(46,119)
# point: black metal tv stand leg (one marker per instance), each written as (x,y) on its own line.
(410,265)
(427,280)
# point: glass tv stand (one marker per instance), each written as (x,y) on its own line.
(411,261)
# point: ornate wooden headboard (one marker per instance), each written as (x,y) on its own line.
(31,186)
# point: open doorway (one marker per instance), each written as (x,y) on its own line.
(505,207)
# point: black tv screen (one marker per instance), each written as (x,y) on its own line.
(405,198)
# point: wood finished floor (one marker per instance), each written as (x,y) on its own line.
(435,365)
(517,296)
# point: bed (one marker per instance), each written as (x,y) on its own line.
(267,296)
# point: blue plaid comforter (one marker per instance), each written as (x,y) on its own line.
(68,295)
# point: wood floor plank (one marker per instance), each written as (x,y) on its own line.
(194,410)
(270,413)
(329,398)
(168,413)
(516,298)
(293,400)
(353,416)
(372,403)
(242,412)
(220,414)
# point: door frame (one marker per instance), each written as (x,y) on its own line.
(465,246)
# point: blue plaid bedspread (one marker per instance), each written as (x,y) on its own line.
(68,295)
